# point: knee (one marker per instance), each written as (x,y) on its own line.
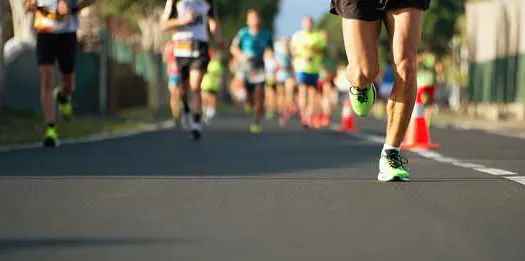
(360,77)
(406,68)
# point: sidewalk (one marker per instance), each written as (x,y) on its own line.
(445,118)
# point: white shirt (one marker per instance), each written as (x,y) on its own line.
(199,29)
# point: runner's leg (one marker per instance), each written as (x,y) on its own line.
(195,85)
(361,40)
(302,99)
(404,28)
(313,96)
(66,55)
(47,98)
(259,102)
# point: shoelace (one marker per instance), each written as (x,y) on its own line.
(382,4)
(362,94)
(395,160)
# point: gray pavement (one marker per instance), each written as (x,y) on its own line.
(287,194)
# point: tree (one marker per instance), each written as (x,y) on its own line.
(230,12)
(3,27)
(439,25)
(22,22)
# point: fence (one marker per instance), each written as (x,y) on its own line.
(113,74)
(496,31)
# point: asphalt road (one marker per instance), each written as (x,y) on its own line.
(287,194)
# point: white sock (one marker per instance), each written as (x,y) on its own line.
(389,147)
(211,112)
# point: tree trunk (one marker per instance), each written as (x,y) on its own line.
(22,22)
(3,29)
(151,41)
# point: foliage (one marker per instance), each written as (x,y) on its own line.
(231,13)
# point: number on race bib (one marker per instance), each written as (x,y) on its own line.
(256,76)
(185,49)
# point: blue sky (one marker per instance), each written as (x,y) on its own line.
(291,12)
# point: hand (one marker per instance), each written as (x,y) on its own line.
(245,58)
(189,16)
(63,8)
(31,7)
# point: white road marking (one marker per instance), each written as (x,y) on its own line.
(97,137)
(498,172)
(519,179)
(456,162)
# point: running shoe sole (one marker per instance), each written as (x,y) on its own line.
(389,178)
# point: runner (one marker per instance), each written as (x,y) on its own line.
(271,95)
(327,85)
(56,24)
(307,48)
(237,90)
(249,46)
(285,81)
(426,82)
(173,82)
(210,85)
(361,21)
(189,20)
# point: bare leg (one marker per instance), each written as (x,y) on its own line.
(259,103)
(68,84)
(361,39)
(313,98)
(174,101)
(404,28)
(303,101)
(195,85)
(46,93)
(280,98)
(327,99)
(289,92)
(270,99)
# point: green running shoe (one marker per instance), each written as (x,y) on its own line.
(51,137)
(362,99)
(248,109)
(65,107)
(392,167)
(255,128)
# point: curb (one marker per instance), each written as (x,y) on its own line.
(146,128)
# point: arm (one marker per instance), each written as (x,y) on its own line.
(235,48)
(215,29)
(64,9)
(172,20)
(173,23)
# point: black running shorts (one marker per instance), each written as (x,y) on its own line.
(57,47)
(372,10)
(200,63)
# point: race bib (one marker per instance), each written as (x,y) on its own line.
(47,23)
(256,76)
(184,48)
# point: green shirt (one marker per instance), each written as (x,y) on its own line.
(308,48)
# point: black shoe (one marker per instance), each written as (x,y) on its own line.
(196,135)
(50,143)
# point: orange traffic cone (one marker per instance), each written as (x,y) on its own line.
(347,118)
(418,133)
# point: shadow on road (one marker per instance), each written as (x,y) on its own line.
(226,150)
(10,244)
